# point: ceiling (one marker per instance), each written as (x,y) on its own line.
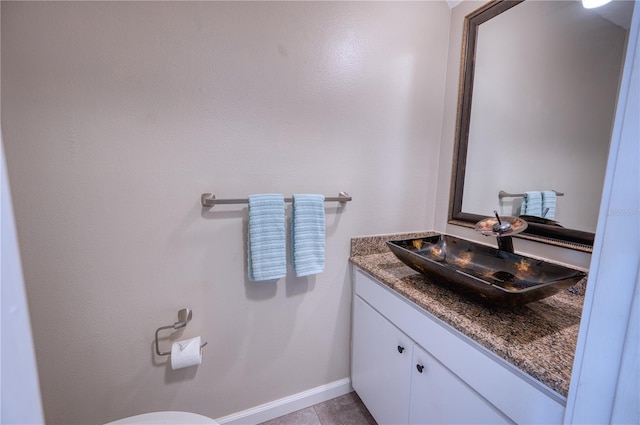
(618,11)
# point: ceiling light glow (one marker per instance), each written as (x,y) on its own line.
(591,4)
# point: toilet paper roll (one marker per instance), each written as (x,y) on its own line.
(186,353)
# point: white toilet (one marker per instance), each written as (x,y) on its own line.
(172,418)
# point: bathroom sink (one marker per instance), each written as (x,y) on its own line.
(487,274)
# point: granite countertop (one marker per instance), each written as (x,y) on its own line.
(539,338)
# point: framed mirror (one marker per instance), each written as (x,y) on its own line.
(538,89)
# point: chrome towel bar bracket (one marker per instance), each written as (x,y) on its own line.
(184,316)
(209,200)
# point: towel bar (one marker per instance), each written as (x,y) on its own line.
(184,316)
(209,200)
(503,194)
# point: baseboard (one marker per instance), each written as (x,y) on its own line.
(286,405)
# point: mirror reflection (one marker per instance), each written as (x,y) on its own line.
(536,115)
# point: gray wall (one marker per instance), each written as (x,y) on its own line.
(116,117)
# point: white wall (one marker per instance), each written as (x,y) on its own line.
(118,115)
(568,256)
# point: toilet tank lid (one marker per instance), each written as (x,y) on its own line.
(169,418)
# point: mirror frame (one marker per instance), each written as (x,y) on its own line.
(559,236)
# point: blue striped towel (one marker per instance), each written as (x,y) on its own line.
(307,234)
(266,246)
(532,204)
(549,201)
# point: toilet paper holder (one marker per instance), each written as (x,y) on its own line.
(184,316)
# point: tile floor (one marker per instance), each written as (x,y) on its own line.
(344,410)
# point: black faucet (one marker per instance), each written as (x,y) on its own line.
(505,243)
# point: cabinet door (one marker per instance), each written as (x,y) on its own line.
(440,397)
(381,365)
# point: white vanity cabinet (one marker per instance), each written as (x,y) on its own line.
(381,367)
(408,367)
(440,397)
(400,383)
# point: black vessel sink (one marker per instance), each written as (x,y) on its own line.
(482,272)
